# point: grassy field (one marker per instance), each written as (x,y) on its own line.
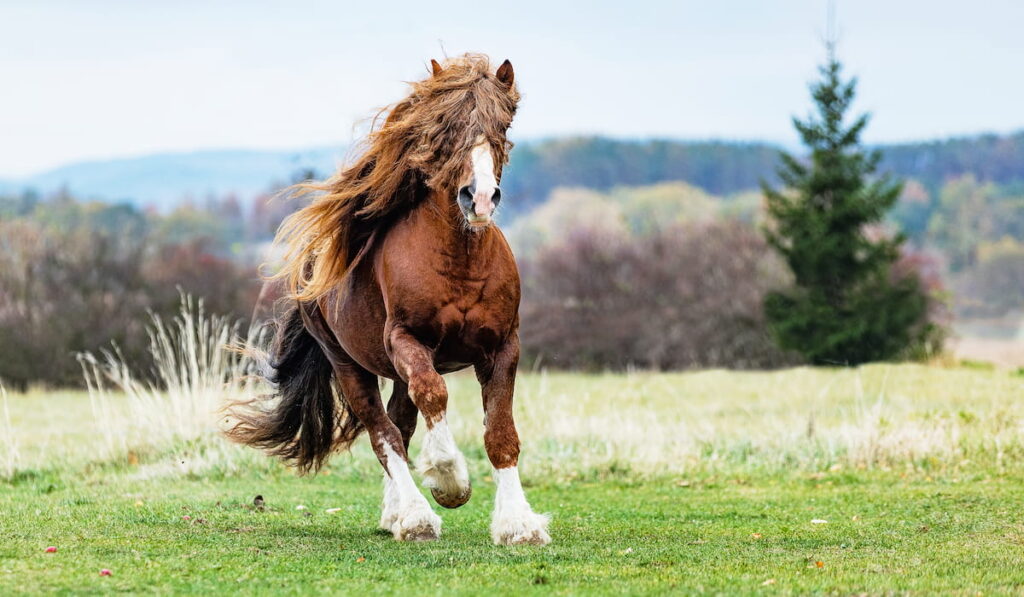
(707,482)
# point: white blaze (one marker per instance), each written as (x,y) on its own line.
(483,178)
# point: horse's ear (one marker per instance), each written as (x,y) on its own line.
(505,74)
(435,67)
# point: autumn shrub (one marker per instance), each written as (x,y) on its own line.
(994,287)
(683,296)
(69,289)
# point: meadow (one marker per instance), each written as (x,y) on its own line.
(880,479)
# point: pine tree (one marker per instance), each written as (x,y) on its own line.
(846,306)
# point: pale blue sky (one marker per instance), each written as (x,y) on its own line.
(109,78)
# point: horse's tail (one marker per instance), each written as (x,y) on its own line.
(306,418)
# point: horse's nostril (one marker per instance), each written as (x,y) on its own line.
(466,197)
(496,197)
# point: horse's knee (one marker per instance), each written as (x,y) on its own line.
(429,394)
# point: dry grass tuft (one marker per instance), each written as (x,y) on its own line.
(12,454)
(177,404)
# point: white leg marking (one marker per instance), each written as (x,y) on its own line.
(443,467)
(515,523)
(411,519)
(391,505)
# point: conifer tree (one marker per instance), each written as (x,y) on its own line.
(847,305)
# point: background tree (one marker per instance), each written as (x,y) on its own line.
(847,304)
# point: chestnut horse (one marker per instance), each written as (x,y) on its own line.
(396,270)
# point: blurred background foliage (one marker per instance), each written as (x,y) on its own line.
(657,240)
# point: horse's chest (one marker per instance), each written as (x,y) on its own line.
(460,320)
(472,315)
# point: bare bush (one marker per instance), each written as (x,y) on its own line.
(995,286)
(684,296)
(65,290)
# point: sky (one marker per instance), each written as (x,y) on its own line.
(117,78)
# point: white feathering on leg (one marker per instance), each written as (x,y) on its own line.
(514,522)
(443,466)
(412,519)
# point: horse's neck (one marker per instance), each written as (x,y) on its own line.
(452,235)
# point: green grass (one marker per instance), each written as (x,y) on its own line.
(690,483)
(883,534)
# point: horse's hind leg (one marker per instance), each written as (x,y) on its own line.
(441,463)
(402,411)
(514,522)
(407,512)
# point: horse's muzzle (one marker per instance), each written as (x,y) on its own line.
(476,206)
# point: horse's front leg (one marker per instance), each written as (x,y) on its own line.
(441,463)
(514,522)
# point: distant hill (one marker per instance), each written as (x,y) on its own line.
(723,168)
(990,158)
(720,167)
(161,180)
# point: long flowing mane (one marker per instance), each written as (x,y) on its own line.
(418,145)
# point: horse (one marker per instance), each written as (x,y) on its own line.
(397,270)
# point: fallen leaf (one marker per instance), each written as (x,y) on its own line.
(360,559)
(819,564)
(51,549)
(770,581)
(106,572)
(332,510)
(186,517)
(138,503)
(756,535)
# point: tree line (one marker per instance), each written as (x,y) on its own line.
(724,168)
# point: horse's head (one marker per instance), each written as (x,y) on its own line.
(467,110)
(479,193)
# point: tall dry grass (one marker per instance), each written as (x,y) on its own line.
(173,407)
(12,455)
(878,417)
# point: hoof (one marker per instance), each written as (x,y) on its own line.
(419,524)
(451,500)
(526,529)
